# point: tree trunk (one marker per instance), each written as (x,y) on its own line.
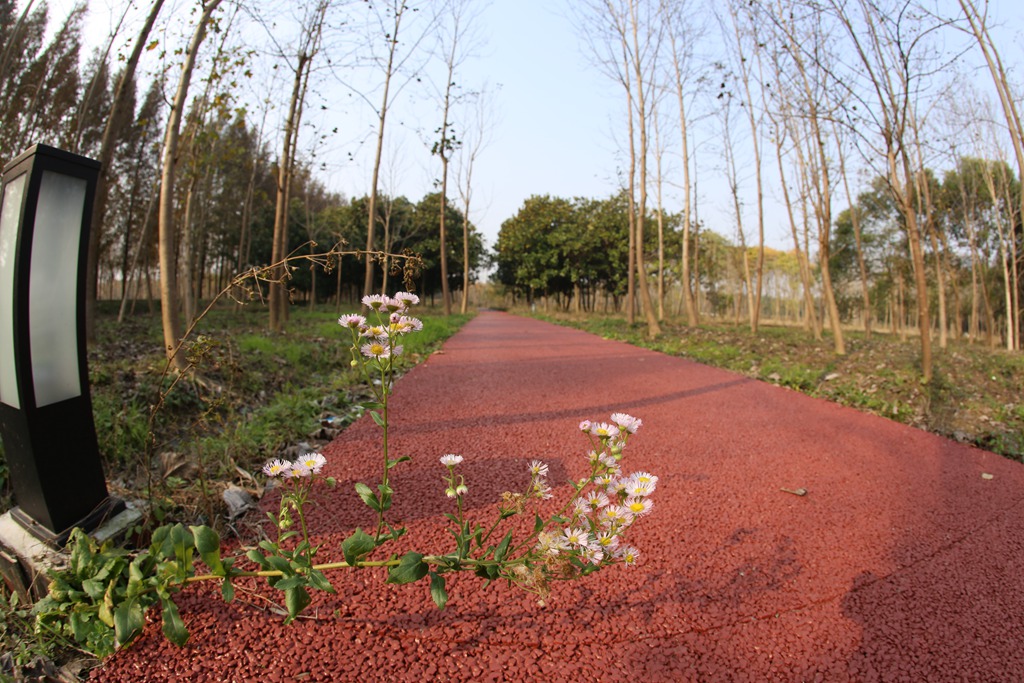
(116,121)
(378,153)
(168,273)
(278,289)
(692,317)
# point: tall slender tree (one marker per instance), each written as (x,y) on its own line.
(167,235)
(117,120)
(388,19)
(307,47)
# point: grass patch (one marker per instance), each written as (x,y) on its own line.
(254,395)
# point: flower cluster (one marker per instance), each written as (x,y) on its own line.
(606,504)
(539,487)
(306,466)
(378,339)
(456,484)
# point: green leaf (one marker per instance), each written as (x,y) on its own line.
(129,619)
(357,545)
(318,580)
(227,590)
(410,568)
(437,590)
(160,544)
(81,554)
(538,524)
(290,582)
(208,545)
(378,418)
(94,589)
(184,544)
(280,564)
(487,571)
(385,496)
(257,557)
(368,496)
(394,533)
(80,626)
(372,405)
(173,626)
(392,463)
(106,608)
(296,599)
(499,552)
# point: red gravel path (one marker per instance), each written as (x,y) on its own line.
(902,563)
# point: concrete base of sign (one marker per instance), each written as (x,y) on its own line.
(25,559)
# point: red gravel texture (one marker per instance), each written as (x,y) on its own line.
(901,563)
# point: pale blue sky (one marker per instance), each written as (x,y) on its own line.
(556,128)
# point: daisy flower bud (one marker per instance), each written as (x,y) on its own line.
(407,298)
(577,538)
(626,422)
(352,320)
(374,332)
(375,350)
(604,430)
(644,478)
(276,468)
(314,462)
(392,305)
(374,301)
(299,469)
(638,506)
(628,555)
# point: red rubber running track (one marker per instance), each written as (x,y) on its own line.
(902,563)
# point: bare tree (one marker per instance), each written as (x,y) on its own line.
(800,248)
(807,85)
(456,42)
(682,35)
(732,177)
(862,268)
(747,44)
(120,114)
(623,37)
(168,269)
(1008,99)
(309,43)
(641,52)
(659,178)
(388,16)
(887,42)
(475,140)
